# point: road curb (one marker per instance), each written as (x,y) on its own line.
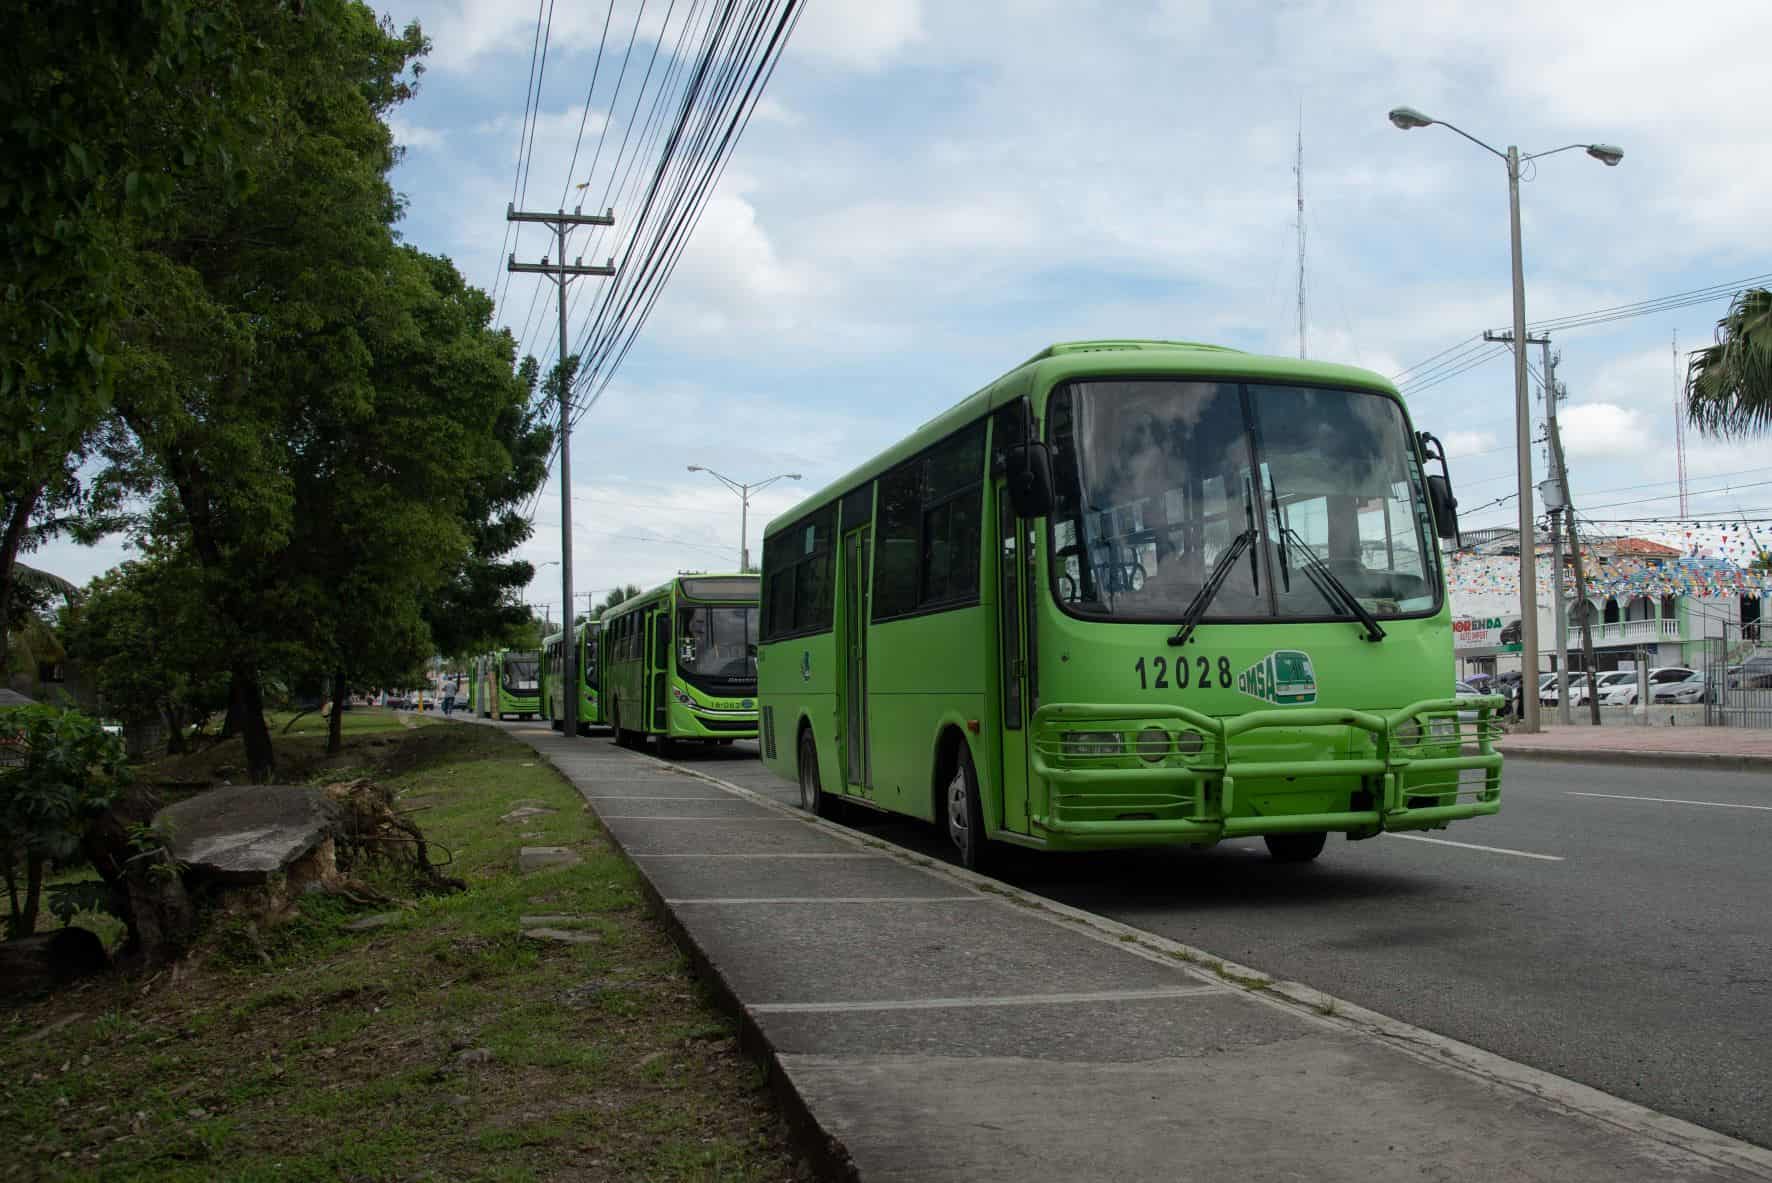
(830,1156)
(1708,761)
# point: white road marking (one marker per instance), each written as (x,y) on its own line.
(1549,858)
(839,899)
(1672,801)
(990,1000)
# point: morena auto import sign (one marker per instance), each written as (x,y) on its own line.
(1495,633)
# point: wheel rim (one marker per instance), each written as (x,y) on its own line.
(958,830)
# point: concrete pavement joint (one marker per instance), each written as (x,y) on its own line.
(1076,997)
(1328,1010)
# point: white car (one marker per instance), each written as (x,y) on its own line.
(1603,683)
(1625,694)
(1466,690)
(1689,689)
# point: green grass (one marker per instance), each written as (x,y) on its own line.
(343,1058)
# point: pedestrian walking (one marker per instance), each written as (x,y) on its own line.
(449,689)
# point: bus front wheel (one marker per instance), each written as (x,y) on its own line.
(1295,848)
(965,814)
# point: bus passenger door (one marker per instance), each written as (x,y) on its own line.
(1015,699)
(856,587)
(659,668)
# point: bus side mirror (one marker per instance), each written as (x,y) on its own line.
(1028,472)
(1439,492)
(1439,487)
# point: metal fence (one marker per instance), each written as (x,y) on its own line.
(1738,679)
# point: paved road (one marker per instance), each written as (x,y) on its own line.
(1634,954)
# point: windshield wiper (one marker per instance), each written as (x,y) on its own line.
(1215,580)
(1331,586)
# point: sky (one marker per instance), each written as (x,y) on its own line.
(931,192)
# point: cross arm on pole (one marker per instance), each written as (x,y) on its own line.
(568,269)
(560,217)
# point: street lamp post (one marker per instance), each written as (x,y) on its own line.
(1406,118)
(744,513)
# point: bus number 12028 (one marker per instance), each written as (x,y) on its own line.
(1157,674)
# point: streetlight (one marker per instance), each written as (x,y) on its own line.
(1406,118)
(744,497)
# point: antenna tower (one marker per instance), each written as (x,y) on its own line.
(1680,425)
(1298,172)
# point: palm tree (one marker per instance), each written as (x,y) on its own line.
(1729,384)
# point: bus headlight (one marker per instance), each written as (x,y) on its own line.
(1189,743)
(1443,730)
(1092,743)
(682,697)
(1151,744)
(1408,732)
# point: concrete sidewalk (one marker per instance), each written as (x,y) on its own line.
(923,1023)
(1733,748)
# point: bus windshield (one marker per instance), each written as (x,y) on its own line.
(717,645)
(1155,479)
(522,674)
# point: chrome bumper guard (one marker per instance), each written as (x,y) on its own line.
(1163,771)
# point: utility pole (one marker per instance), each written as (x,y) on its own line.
(1520,338)
(1557,503)
(562,273)
(1298,171)
(1587,610)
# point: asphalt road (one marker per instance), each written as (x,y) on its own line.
(1625,944)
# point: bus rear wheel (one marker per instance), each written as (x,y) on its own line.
(812,796)
(1295,848)
(965,814)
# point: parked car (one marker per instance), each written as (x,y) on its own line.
(1466,690)
(1690,689)
(1625,694)
(1603,684)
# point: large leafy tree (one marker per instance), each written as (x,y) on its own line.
(1729,384)
(109,107)
(244,341)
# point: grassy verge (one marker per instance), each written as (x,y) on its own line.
(442,1045)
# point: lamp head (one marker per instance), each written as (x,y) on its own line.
(1606,154)
(793,476)
(1408,117)
(696,468)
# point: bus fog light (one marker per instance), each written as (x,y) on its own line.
(1443,730)
(1408,732)
(1152,744)
(1189,743)
(1091,743)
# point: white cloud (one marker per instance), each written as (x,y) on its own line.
(1469,443)
(859,34)
(412,135)
(1605,430)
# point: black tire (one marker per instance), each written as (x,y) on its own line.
(623,737)
(1295,848)
(812,795)
(963,813)
(724,742)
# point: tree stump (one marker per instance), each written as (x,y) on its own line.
(35,964)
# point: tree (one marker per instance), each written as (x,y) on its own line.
(63,770)
(1729,384)
(142,635)
(109,106)
(614,596)
(244,339)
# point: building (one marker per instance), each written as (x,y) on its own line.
(1647,601)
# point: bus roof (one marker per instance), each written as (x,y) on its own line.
(1065,360)
(663,589)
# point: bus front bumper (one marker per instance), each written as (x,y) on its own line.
(1110,775)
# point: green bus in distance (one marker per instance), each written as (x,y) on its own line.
(680,662)
(1132,593)
(553,676)
(507,685)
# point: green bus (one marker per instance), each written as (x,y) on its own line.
(553,677)
(507,685)
(1132,593)
(680,662)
